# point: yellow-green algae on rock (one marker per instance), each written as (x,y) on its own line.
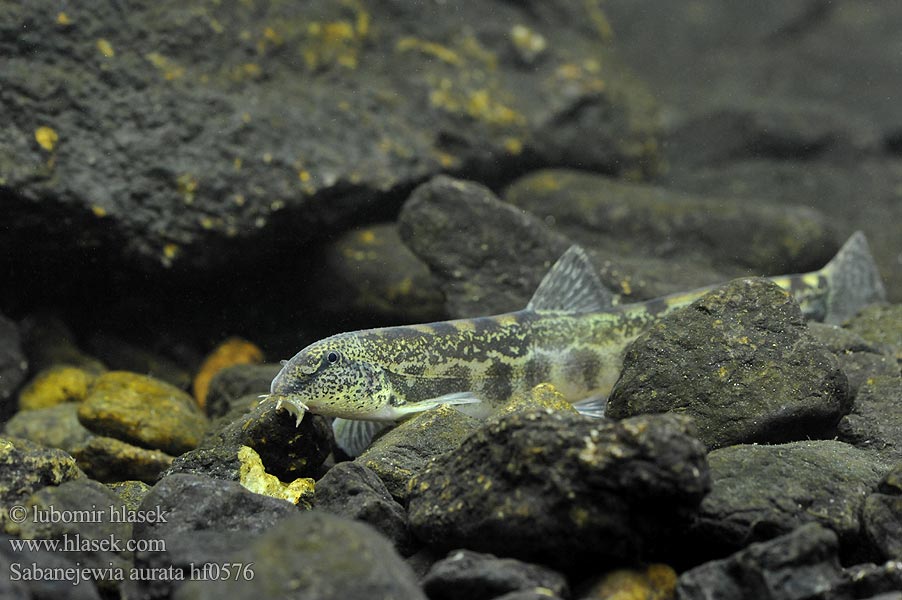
(27,467)
(107,459)
(253,476)
(656,582)
(143,411)
(544,395)
(56,385)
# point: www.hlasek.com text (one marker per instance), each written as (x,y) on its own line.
(77,543)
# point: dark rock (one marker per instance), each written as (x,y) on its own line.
(892,483)
(105,525)
(562,489)
(787,115)
(143,411)
(859,359)
(368,275)
(800,564)
(741,362)
(205,520)
(202,153)
(455,225)
(881,516)
(315,556)
(351,490)
(826,185)
(238,382)
(876,418)
(108,459)
(632,218)
(26,467)
(13,367)
(882,326)
(405,450)
(878,582)
(131,493)
(19,570)
(760,492)
(468,575)
(55,427)
(882,520)
(288,452)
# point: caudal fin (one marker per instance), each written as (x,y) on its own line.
(854,281)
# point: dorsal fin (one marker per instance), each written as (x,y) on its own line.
(572,286)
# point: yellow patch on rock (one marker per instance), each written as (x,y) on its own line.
(46,137)
(56,385)
(543,395)
(253,476)
(105,48)
(657,582)
(233,351)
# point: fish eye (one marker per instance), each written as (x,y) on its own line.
(332,357)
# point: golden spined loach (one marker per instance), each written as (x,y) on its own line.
(571,334)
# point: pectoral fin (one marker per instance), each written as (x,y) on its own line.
(593,406)
(454,399)
(354,436)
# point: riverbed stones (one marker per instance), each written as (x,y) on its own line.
(238,385)
(351,490)
(56,385)
(351,280)
(287,451)
(876,418)
(881,516)
(13,366)
(654,222)
(562,489)
(316,556)
(109,459)
(468,575)
(103,520)
(741,362)
(56,426)
(453,225)
(404,451)
(26,467)
(205,519)
(803,563)
(859,359)
(302,104)
(759,492)
(144,411)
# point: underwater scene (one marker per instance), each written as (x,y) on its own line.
(451,299)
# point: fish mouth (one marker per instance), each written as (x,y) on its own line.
(293,404)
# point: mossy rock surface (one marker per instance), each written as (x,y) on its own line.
(740,361)
(144,411)
(255,118)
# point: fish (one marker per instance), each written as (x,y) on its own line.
(572,334)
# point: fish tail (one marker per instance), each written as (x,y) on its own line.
(853,280)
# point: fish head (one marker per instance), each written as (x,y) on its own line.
(334,377)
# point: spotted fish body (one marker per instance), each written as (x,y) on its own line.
(571,335)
